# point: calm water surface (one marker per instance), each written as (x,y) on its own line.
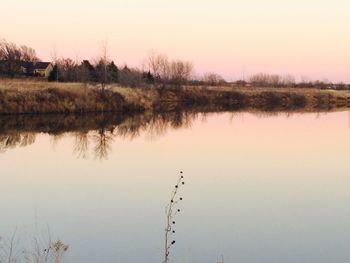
(259,188)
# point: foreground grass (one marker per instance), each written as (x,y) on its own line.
(34,97)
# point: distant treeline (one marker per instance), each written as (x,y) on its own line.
(276,81)
(14,61)
(157,69)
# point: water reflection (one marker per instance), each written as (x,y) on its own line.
(258,188)
(8,141)
(43,249)
(96,132)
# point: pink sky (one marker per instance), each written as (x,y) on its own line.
(304,38)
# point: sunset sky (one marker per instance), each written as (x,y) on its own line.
(234,38)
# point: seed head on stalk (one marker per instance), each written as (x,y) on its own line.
(171,211)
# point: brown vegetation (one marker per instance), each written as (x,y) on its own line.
(43,251)
(170,71)
(34,97)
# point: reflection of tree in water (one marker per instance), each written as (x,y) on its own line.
(102,143)
(101,140)
(160,124)
(95,132)
(12,140)
(81,144)
(131,127)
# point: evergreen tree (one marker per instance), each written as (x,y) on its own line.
(87,72)
(53,74)
(101,72)
(112,72)
(148,77)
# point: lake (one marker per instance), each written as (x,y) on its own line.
(259,187)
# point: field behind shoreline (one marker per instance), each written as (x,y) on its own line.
(39,97)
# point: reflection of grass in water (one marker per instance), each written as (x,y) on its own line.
(40,250)
(96,132)
(90,131)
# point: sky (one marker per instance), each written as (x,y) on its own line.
(236,38)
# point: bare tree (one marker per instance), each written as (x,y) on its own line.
(288,80)
(274,80)
(28,54)
(213,79)
(77,62)
(54,59)
(9,51)
(11,55)
(263,79)
(67,68)
(101,67)
(155,63)
(164,69)
(180,71)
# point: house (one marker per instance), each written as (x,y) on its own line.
(39,69)
(42,69)
(26,67)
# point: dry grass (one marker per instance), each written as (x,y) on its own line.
(33,96)
(34,84)
(18,97)
(141,96)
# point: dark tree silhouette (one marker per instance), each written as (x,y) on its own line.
(87,72)
(53,76)
(112,72)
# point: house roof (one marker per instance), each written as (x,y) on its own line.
(41,65)
(27,64)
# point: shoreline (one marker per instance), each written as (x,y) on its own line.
(38,97)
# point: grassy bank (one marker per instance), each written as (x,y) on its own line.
(35,97)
